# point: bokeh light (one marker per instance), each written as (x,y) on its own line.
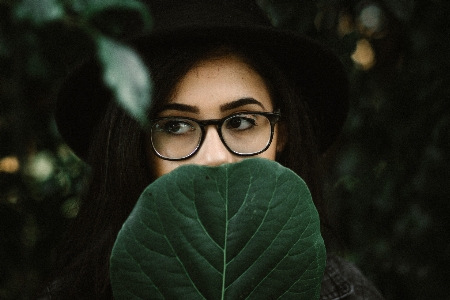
(345,23)
(70,207)
(372,21)
(364,55)
(41,166)
(9,164)
(370,17)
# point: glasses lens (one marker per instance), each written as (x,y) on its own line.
(247,133)
(175,138)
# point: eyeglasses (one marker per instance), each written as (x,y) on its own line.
(244,134)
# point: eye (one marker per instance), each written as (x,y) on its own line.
(241,122)
(176,127)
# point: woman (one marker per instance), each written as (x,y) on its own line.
(209,60)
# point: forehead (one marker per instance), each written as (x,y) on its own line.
(210,83)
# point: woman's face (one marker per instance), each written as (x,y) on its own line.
(214,89)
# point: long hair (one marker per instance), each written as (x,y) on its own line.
(120,167)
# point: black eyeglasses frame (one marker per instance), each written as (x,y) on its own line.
(273,118)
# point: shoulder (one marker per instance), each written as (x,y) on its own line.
(343,280)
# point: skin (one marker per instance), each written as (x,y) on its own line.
(214,89)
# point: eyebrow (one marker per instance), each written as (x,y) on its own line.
(224,107)
(180,107)
(239,103)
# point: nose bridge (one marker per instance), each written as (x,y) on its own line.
(213,152)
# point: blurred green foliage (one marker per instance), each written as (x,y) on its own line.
(388,184)
(40,178)
(388,181)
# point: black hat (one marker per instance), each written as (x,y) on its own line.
(317,71)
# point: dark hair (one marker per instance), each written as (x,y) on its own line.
(121,170)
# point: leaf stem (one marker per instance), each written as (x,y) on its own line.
(225,241)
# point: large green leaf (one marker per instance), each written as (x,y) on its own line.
(247,230)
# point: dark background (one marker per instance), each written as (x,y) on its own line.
(387,185)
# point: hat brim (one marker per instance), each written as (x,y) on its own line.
(316,71)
